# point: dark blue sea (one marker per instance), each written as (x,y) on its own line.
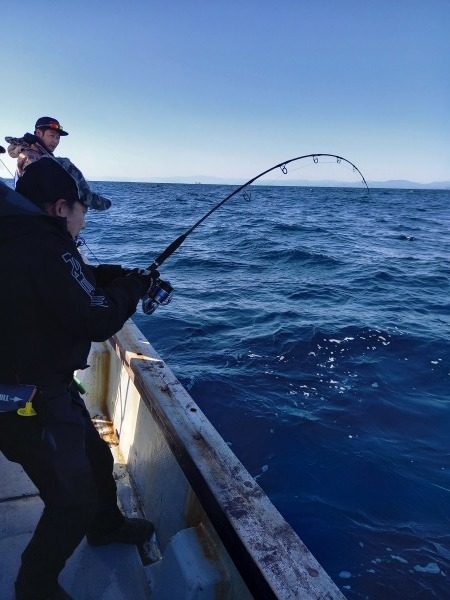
(312,327)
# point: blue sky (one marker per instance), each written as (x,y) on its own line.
(152,90)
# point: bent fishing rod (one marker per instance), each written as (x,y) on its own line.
(161,291)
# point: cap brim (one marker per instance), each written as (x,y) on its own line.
(96,202)
(52,128)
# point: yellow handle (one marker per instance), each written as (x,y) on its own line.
(28,411)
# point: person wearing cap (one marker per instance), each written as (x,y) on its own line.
(49,131)
(43,142)
(51,309)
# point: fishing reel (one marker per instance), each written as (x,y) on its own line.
(159,294)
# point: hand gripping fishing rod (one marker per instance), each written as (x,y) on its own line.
(161,291)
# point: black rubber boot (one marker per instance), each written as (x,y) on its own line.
(131,531)
(58,594)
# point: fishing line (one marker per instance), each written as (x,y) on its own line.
(80,242)
(161,291)
(2,151)
(12,174)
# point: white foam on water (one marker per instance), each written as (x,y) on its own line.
(399,558)
(345,574)
(431,568)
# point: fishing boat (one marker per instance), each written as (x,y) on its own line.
(217,533)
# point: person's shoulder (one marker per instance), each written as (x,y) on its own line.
(49,234)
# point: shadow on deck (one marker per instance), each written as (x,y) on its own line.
(113,572)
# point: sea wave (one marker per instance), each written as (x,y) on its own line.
(312,327)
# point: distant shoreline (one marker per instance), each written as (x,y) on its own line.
(389,184)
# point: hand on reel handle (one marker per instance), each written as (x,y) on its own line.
(158,294)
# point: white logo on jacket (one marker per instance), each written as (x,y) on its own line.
(80,278)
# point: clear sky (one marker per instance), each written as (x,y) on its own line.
(157,89)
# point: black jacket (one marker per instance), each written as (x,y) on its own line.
(52,305)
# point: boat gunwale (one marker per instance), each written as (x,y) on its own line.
(271,558)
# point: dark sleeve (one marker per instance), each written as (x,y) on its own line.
(105,274)
(68,289)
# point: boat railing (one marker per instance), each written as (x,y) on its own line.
(187,477)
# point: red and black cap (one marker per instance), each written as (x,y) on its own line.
(50,123)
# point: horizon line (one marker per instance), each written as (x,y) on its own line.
(193,180)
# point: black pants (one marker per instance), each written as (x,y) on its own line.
(62,453)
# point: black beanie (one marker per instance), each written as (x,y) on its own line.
(45,181)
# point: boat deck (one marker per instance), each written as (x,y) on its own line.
(113,572)
(218,534)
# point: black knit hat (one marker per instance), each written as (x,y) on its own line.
(45,182)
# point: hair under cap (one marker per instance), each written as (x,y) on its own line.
(45,181)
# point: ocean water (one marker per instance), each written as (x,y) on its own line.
(312,327)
